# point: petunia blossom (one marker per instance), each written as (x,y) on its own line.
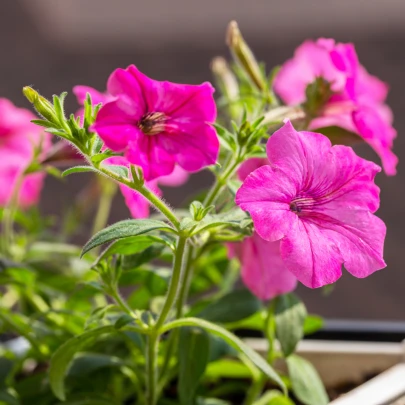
(159,124)
(136,203)
(318,200)
(263,270)
(18,140)
(357,102)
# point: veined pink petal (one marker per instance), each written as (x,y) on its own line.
(263,270)
(359,236)
(311,255)
(379,134)
(269,203)
(193,145)
(116,127)
(147,153)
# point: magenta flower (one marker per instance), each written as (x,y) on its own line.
(318,201)
(263,270)
(357,104)
(158,124)
(18,138)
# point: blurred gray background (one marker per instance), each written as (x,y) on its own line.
(56,44)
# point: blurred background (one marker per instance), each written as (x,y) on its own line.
(54,45)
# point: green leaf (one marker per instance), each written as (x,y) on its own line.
(62,358)
(227,368)
(211,401)
(79,169)
(118,170)
(126,246)
(124,229)
(273,397)
(234,218)
(7,399)
(312,324)
(130,262)
(86,363)
(290,314)
(233,341)
(232,307)
(306,383)
(194,349)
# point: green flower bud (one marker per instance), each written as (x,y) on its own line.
(244,55)
(41,104)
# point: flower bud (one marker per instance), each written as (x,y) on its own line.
(244,55)
(228,84)
(41,104)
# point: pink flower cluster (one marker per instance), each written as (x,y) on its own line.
(357,102)
(18,139)
(312,203)
(312,207)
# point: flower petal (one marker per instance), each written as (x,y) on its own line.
(379,134)
(266,194)
(147,153)
(310,254)
(359,236)
(176,178)
(179,101)
(115,126)
(96,97)
(194,145)
(263,270)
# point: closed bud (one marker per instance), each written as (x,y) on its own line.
(228,84)
(41,104)
(244,56)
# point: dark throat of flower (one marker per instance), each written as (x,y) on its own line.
(152,123)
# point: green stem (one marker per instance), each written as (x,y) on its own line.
(120,301)
(172,293)
(151,368)
(108,191)
(153,340)
(270,332)
(9,214)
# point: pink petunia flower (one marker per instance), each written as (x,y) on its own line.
(318,201)
(263,270)
(136,203)
(18,139)
(158,124)
(357,104)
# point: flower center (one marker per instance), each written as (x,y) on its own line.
(152,123)
(294,207)
(302,205)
